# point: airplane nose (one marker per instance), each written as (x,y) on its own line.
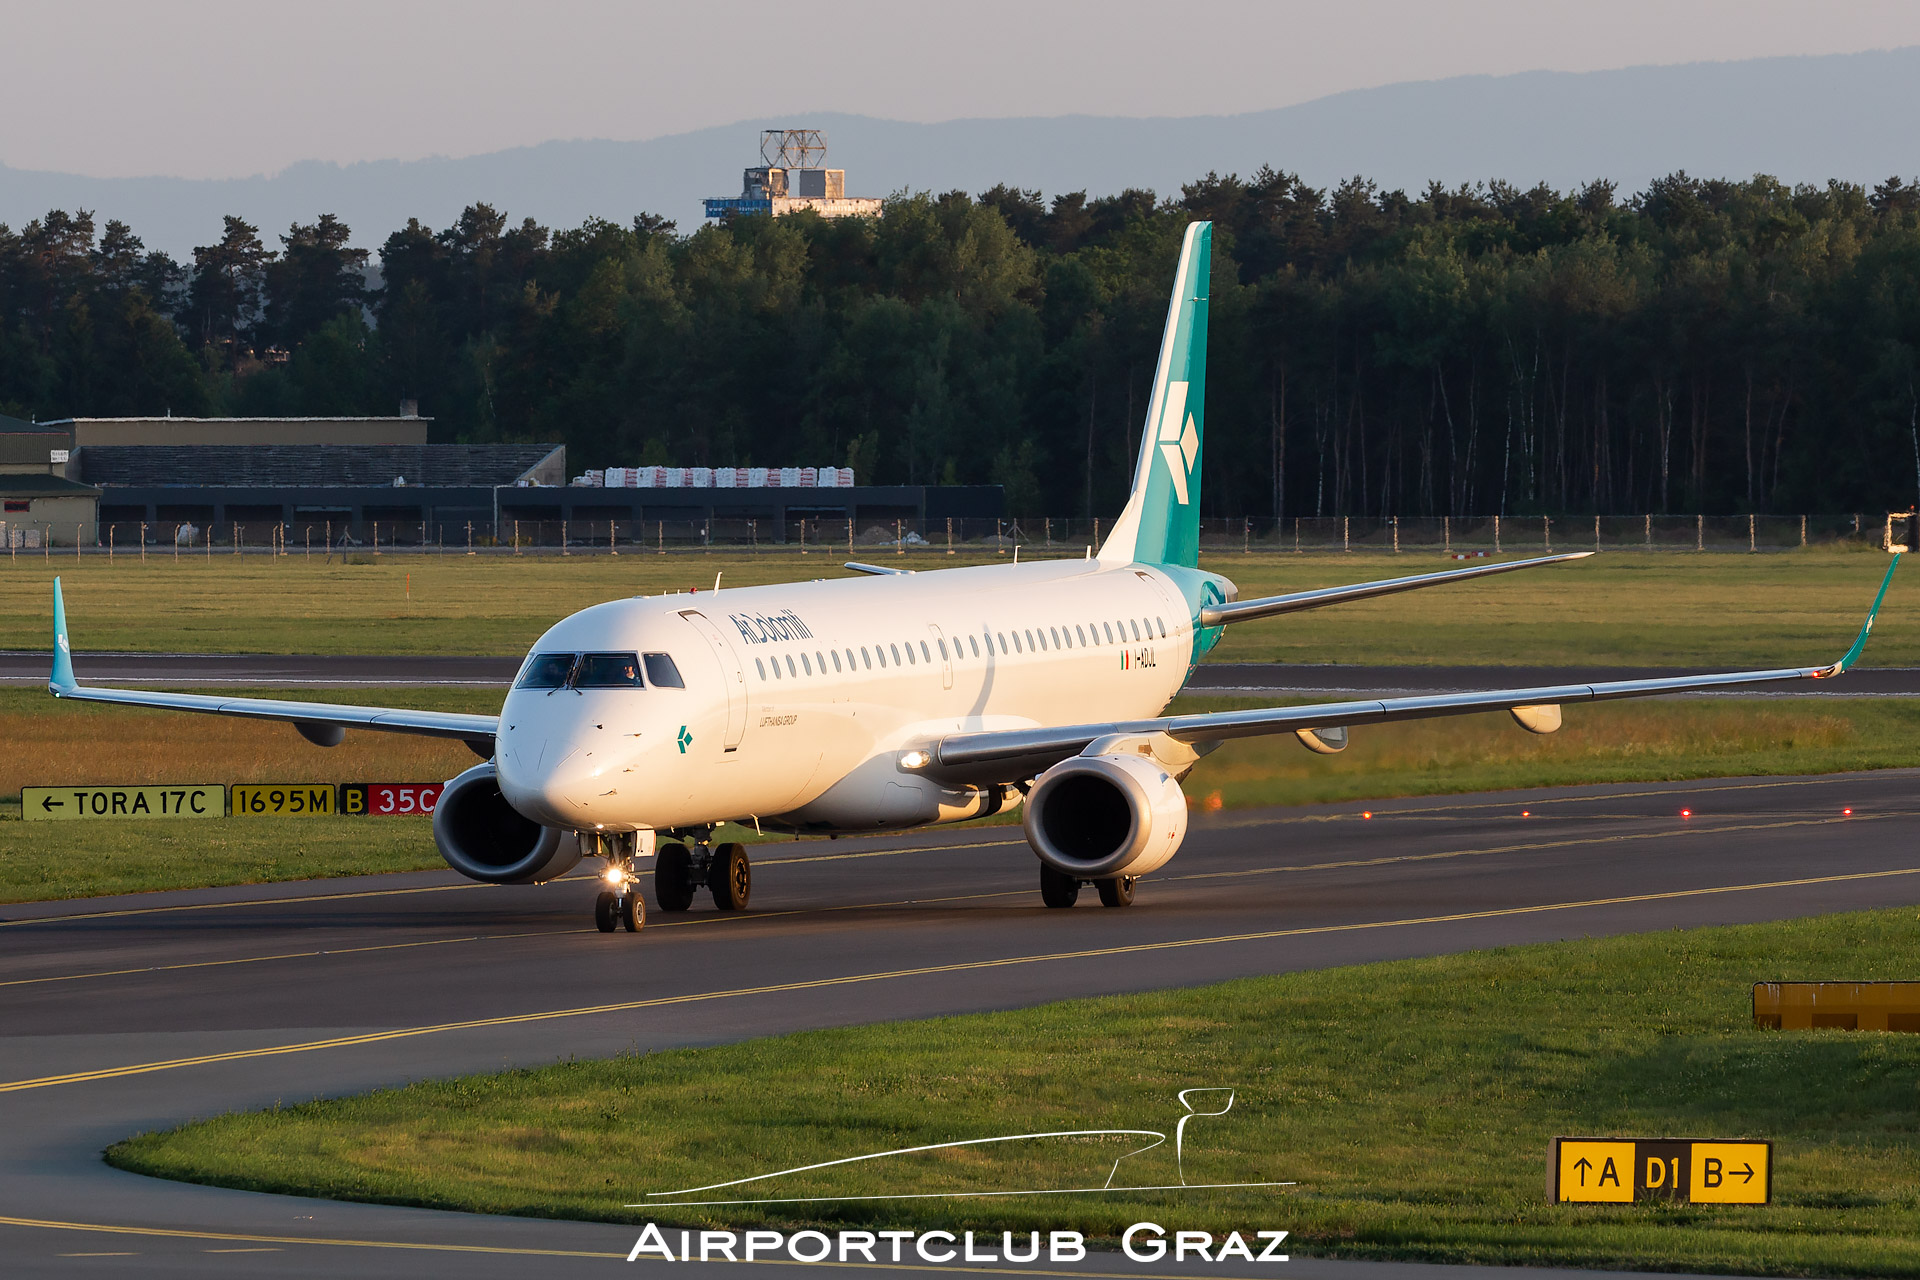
(555,782)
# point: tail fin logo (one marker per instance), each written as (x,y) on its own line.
(1177,445)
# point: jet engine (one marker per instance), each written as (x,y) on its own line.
(484,838)
(1091,817)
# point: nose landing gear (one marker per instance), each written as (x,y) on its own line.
(619,905)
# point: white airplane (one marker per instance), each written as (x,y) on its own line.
(896,699)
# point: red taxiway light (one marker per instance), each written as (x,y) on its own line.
(1846,813)
(1366,813)
(1686,813)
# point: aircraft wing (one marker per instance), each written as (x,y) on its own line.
(1015,754)
(320,722)
(1294,602)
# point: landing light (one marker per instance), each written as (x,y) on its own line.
(915,759)
(614,876)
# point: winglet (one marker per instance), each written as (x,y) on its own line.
(1866,628)
(62,677)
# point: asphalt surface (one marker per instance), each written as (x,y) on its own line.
(122,1015)
(278,671)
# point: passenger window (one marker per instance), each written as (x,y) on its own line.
(821,660)
(974,645)
(1083,634)
(607,671)
(806,662)
(1136,631)
(1056,636)
(1109,633)
(775,664)
(547,671)
(1003,641)
(926,652)
(1016,643)
(836,660)
(761,667)
(910,657)
(790,671)
(1163,625)
(882,651)
(943,651)
(868,659)
(661,671)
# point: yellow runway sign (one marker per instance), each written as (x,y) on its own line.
(56,804)
(1625,1170)
(283,799)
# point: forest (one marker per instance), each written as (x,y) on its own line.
(1701,346)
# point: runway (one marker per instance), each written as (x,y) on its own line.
(348,671)
(121,1015)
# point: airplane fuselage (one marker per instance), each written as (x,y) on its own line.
(798,700)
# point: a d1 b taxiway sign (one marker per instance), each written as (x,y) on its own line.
(52,804)
(1624,1170)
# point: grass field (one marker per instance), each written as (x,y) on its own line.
(1628,608)
(1412,1103)
(55,743)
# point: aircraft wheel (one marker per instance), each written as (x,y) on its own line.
(673,877)
(1117,891)
(1057,889)
(632,912)
(730,877)
(603,912)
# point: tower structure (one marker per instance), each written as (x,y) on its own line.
(792,177)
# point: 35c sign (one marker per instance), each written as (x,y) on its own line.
(389,799)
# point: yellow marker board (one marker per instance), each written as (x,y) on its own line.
(1731,1172)
(1681,1170)
(56,804)
(283,799)
(1593,1172)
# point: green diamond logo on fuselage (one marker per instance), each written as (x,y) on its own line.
(685,739)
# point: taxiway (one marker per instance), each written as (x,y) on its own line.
(120,1015)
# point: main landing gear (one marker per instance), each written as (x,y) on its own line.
(1058,889)
(724,869)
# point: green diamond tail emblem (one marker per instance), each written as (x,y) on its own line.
(685,739)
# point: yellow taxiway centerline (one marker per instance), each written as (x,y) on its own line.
(815,984)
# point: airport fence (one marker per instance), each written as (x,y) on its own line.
(854,539)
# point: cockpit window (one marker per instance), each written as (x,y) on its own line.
(547,671)
(607,671)
(661,673)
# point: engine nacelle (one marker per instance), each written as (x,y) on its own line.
(484,838)
(1109,815)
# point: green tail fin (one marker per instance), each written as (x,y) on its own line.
(1161,522)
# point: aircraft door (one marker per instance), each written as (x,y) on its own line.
(946,662)
(732,675)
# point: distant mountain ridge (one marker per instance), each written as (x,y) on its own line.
(1802,119)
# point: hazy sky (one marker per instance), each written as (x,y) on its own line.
(211,88)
